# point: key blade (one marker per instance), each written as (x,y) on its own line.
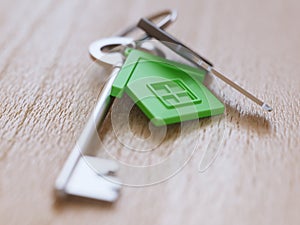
(85,181)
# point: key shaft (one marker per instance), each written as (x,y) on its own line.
(89,137)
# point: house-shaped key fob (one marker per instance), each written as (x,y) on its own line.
(166,91)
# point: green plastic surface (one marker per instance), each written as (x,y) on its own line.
(167,92)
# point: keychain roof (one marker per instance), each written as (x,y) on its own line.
(181,49)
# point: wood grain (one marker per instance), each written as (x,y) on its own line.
(48,89)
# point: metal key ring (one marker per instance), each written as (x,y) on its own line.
(169,16)
(96,49)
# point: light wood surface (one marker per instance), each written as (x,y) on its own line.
(47,91)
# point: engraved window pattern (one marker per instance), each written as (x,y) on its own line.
(174,93)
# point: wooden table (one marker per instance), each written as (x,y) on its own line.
(48,91)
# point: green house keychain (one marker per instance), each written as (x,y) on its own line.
(166,91)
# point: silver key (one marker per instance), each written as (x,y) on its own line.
(84,175)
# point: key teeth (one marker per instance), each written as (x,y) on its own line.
(101,166)
(87,180)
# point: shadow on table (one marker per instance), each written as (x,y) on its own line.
(75,201)
(254,122)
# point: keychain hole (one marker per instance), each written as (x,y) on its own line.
(108,48)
